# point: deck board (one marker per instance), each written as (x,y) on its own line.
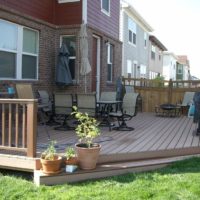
(152,133)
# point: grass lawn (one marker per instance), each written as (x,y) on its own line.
(181,181)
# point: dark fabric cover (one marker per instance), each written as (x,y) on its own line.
(197,106)
(120,89)
(63,74)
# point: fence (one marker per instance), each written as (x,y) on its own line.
(155,92)
(18,125)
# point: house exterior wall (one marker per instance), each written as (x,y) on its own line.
(49,43)
(46,47)
(138,53)
(48,10)
(100,21)
(39,9)
(169,67)
(156,65)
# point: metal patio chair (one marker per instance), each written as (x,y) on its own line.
(128,111)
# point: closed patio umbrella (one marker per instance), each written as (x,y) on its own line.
(85,65)
(63,74)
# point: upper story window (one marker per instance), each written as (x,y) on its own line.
(109,62)
(145,39)
(131,31)
(180,69)
(18,52)
(70,42)
(105,7)
(153,52)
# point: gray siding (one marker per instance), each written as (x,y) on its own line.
(156,65)
(97,19)
(134,53)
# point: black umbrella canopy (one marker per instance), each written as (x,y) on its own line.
(63,74)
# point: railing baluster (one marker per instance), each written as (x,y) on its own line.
(23,125)
(9,125)
(17,125)
(3,124)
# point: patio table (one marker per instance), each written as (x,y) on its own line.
(168,110)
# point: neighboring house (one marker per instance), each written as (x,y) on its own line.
(33,31)
(134,33)
(183,68)
(156,49)
(169,65)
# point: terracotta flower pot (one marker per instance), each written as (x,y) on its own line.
(51,166)
(72,161)
(87,157)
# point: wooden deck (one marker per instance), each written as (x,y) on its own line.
(153,137)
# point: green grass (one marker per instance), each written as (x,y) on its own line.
(181,181)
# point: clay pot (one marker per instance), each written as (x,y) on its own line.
(87,157)
(51,166)
(72,161)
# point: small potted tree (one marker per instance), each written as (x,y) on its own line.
(87,130)
(71,158)
(51,162)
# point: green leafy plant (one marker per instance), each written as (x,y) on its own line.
(87,129)
(70,153)
(50,152)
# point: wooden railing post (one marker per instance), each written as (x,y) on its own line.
(31,128)
(170,91)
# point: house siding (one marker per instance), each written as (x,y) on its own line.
(48,10)
(68,13)
(97,19)
(41,9)
(132,52)
(156,65)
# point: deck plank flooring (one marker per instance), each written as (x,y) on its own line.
(151,134)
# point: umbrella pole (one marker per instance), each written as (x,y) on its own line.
(85,85)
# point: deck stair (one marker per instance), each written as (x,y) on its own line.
(104,170)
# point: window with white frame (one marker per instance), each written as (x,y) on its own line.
(70,42)
(145,39)
(109,62)
(105,7)
(131,31)
(129,68)
(143,71)
(18,51)
(153,52)
(180,69)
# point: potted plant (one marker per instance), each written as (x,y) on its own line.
(71,158)
(51,162)
(87,130)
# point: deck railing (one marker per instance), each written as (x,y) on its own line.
(154,92)
(18,125)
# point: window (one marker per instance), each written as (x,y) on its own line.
(70,41)
(129,68)
(153,52)
(180,69)
(18,52)
(105,7)
(143,71)
(131,31)
(109,62)
(145,39)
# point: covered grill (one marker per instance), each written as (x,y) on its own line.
(197,110)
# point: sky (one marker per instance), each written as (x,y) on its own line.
(176,25)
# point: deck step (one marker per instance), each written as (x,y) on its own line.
(104,170)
